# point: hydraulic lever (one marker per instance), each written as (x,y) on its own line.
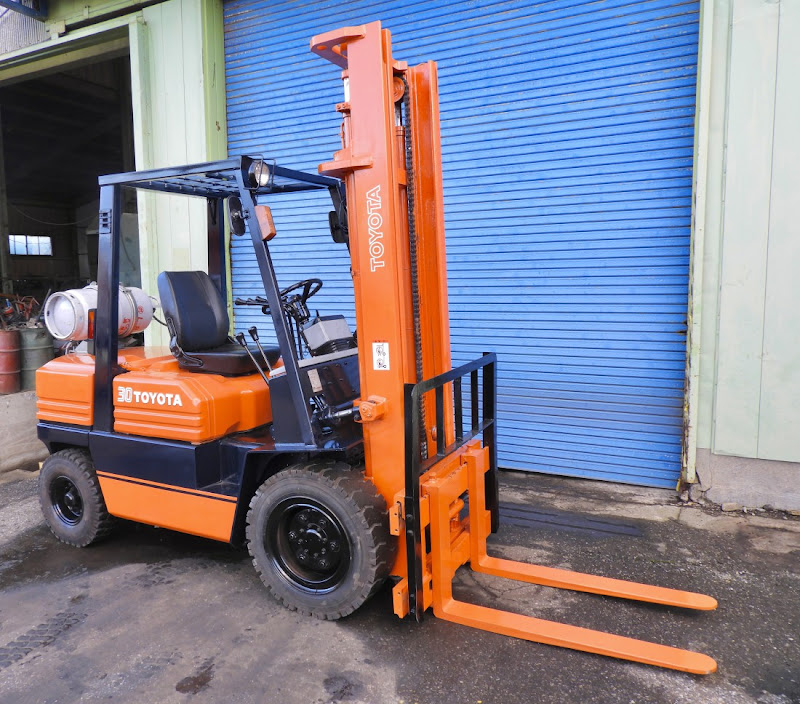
(254,334)
(243,345)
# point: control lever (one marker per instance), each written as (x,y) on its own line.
(254,334)
(243,344)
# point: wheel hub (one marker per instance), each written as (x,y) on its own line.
(66,500)
(315,540)
(308,545)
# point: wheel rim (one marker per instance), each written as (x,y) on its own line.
(308,545)
(66,500)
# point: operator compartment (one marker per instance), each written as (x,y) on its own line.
(158,399)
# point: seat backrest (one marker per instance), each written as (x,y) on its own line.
(194,310)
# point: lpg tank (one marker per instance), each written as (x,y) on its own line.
(66,313)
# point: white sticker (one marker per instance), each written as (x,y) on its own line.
(313,377)
(380,356)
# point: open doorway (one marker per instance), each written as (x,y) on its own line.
(60,131)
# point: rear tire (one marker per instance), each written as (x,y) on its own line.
(319,538)
(71,499)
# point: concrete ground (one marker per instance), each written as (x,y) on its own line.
(154,616)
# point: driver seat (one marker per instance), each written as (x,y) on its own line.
(198,324)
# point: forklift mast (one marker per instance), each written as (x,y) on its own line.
(419,454)
(390,162)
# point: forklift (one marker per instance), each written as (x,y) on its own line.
(341,458)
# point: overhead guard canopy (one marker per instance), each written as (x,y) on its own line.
(217,179)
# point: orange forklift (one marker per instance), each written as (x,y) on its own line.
(341,458)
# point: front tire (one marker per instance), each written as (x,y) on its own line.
(319,538)
(71,499)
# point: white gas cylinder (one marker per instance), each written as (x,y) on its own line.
(66,313)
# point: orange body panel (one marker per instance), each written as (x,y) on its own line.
(369,163)
(154,398)
(371,166)
(429,223)
(65,390)
(170,403)
(185,510)
(65,385)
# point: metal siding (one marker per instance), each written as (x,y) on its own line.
(567,130)
(18,30)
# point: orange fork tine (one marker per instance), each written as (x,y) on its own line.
(447,548)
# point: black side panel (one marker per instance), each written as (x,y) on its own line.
(164,461)
(55,435)
(250,458)
(284,416)
(338,380)
(246,467)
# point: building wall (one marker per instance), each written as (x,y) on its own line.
(746,288)
(18,30)
(568,222)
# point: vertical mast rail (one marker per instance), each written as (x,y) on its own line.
(107,315)
(372,166)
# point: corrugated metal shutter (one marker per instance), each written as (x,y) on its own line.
(567,132)
(18,30)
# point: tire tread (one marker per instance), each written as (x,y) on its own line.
(351,484)
(103,522)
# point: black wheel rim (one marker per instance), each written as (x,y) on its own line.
(66,500)
(308,545)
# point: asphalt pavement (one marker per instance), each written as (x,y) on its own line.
(154,616)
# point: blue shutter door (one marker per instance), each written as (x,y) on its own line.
(567,130)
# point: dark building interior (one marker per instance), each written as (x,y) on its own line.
(60,131)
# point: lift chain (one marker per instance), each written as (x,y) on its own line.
(412,241)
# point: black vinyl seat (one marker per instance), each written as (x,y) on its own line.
(198,324)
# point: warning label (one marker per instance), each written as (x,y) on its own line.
(380,356)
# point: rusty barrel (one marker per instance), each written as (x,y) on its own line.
(36,349)
(9,361)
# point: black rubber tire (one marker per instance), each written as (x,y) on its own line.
(341,492)
(82,518)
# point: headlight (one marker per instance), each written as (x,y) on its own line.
(260,175)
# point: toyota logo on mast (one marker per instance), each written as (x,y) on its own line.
(375,225)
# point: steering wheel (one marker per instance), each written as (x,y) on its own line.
(295,305)
(310,287)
